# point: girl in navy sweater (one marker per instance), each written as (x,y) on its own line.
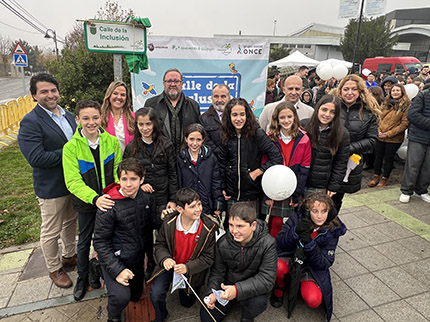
(198,169)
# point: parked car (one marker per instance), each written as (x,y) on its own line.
(391,64)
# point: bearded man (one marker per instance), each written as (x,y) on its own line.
(174,109)
(212,118)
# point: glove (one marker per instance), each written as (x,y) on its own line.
(303,229)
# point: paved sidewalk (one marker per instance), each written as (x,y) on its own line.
(381,272)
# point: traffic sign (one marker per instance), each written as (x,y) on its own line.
(19,49)
(20,60)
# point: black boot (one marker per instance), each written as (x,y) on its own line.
(276,301)
(81,288)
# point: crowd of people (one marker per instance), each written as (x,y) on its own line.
(167,168)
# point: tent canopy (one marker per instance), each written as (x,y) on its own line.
(295,59)
(335,62)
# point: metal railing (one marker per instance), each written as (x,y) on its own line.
(11,114)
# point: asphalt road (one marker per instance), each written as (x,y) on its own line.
(11,88)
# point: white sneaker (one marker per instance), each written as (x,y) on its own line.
(425,197)
(405,198)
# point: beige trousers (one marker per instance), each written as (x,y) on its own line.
(58,219)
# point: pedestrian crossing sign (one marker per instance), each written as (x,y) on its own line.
(20,60)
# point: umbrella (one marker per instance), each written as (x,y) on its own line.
(296,271)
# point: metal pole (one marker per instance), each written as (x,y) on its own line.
(56,47)
(117,67)
(274,27)
(358,37)
(23,81)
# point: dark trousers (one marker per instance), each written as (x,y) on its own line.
(416,177)
(86,229)
(384,155)
(337,199)
(119,295)
(251,308)
(159,289)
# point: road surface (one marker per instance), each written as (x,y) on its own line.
(11,88)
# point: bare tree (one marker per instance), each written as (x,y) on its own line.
(5,49)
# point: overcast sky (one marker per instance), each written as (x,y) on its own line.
(198,18)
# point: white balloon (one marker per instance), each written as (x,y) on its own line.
(321,66)
(279,182)
(326,72)
(412,90)
(340,71)
(402,152)
(366,72)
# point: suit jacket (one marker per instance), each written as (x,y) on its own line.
(41,142)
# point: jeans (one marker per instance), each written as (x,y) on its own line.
(416,177)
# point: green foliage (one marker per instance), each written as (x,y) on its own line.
(83,74)
(19,209)
(278,52)
(374,39)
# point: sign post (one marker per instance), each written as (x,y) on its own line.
(20,60)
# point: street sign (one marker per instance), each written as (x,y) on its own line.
(20,60)
(115,37)
(19,49)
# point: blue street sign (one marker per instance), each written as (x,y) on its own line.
(20,60)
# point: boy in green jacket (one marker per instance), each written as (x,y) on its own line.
(90,162)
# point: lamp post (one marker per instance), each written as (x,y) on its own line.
(54,36)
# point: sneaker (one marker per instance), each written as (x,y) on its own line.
(81,288)
(404,198)
(425,197)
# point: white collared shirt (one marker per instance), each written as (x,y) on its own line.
(192,230)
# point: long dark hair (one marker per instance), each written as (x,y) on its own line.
(335,136)
(157,131)
(228,131)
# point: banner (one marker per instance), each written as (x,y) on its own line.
(205,62)
(374,7)
(349,8)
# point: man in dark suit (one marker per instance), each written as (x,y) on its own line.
(212,118)
(42,134)
(175,110)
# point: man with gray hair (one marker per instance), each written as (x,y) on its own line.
(293,88)
(174,109)
(212,118)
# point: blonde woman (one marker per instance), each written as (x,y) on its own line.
(359,114)
(117,114)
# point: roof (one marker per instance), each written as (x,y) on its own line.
(318,30)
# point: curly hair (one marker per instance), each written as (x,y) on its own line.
(402,104)
(126,109)
(367,99)
(228,131)
(275,127)
(322,197)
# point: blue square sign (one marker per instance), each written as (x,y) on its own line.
(20,60)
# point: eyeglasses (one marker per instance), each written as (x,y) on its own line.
(172,81)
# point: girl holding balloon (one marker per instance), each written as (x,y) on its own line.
(330,146)
(391,133)
(243,145)
(295,148)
